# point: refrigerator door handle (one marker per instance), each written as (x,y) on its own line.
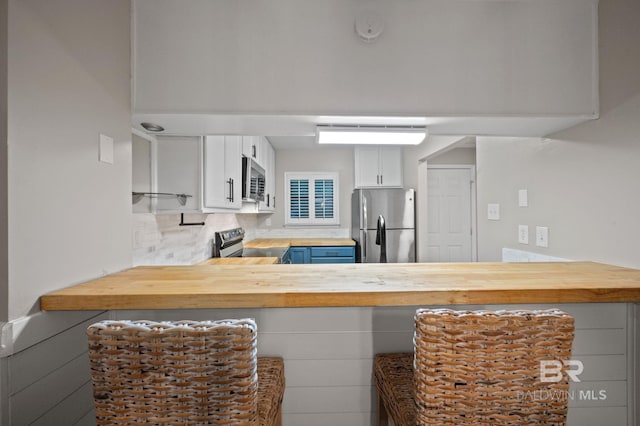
(364,246)
(381,239)
(364,226)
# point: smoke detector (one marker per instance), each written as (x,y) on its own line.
(369,25)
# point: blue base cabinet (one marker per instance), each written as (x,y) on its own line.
(299,255)
(338,254)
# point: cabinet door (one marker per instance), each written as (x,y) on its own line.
(268,154)
(178,167)
(217,190)
(233,169)
(223,172)
(300,255)
(341,254)
(391,166)
(251,147)
(367,167)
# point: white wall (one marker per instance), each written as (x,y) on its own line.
(582,183)
(303,57)
(318,159)
(4,255)
(4,271)
(456,156)
(69,214)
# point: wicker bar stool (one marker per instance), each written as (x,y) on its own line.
(477,368)
(183,373)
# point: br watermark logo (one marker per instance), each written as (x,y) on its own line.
(553,371)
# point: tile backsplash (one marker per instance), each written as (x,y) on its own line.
(303,232)
(159,240)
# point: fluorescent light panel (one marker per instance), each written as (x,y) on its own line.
(370,135)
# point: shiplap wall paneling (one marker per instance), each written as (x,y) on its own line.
(49,382)
(328,356)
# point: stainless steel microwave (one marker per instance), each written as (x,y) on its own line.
(252,180)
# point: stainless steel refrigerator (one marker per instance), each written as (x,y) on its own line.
(383,225)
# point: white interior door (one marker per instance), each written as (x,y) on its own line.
(450,214)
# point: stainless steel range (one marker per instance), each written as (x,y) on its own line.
(229,243)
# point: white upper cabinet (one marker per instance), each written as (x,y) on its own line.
(177,162)
(269,158)
(378,167)
(222,176)
(251,147)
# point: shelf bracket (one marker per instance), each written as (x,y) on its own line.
(137,196)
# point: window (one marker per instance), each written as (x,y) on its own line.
(311,198)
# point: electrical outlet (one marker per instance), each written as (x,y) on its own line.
(542,236)
(523,234)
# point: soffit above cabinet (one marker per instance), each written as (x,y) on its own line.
(499,67)
(305,126)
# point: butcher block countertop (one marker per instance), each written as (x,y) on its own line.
(241,261)
(298,242)
(249,286)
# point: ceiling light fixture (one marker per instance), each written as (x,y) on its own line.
(152,127)
(370,135)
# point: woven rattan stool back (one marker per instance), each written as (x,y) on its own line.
(180,373)
(483,368)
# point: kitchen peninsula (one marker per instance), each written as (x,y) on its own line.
(252,286)
(329,320)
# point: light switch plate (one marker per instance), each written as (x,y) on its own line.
(493,211)
(106,149)
(523,198)
(523,234)
(542,236)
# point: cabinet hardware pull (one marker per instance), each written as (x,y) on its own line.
(230,197)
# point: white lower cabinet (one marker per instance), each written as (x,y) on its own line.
(222,172)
